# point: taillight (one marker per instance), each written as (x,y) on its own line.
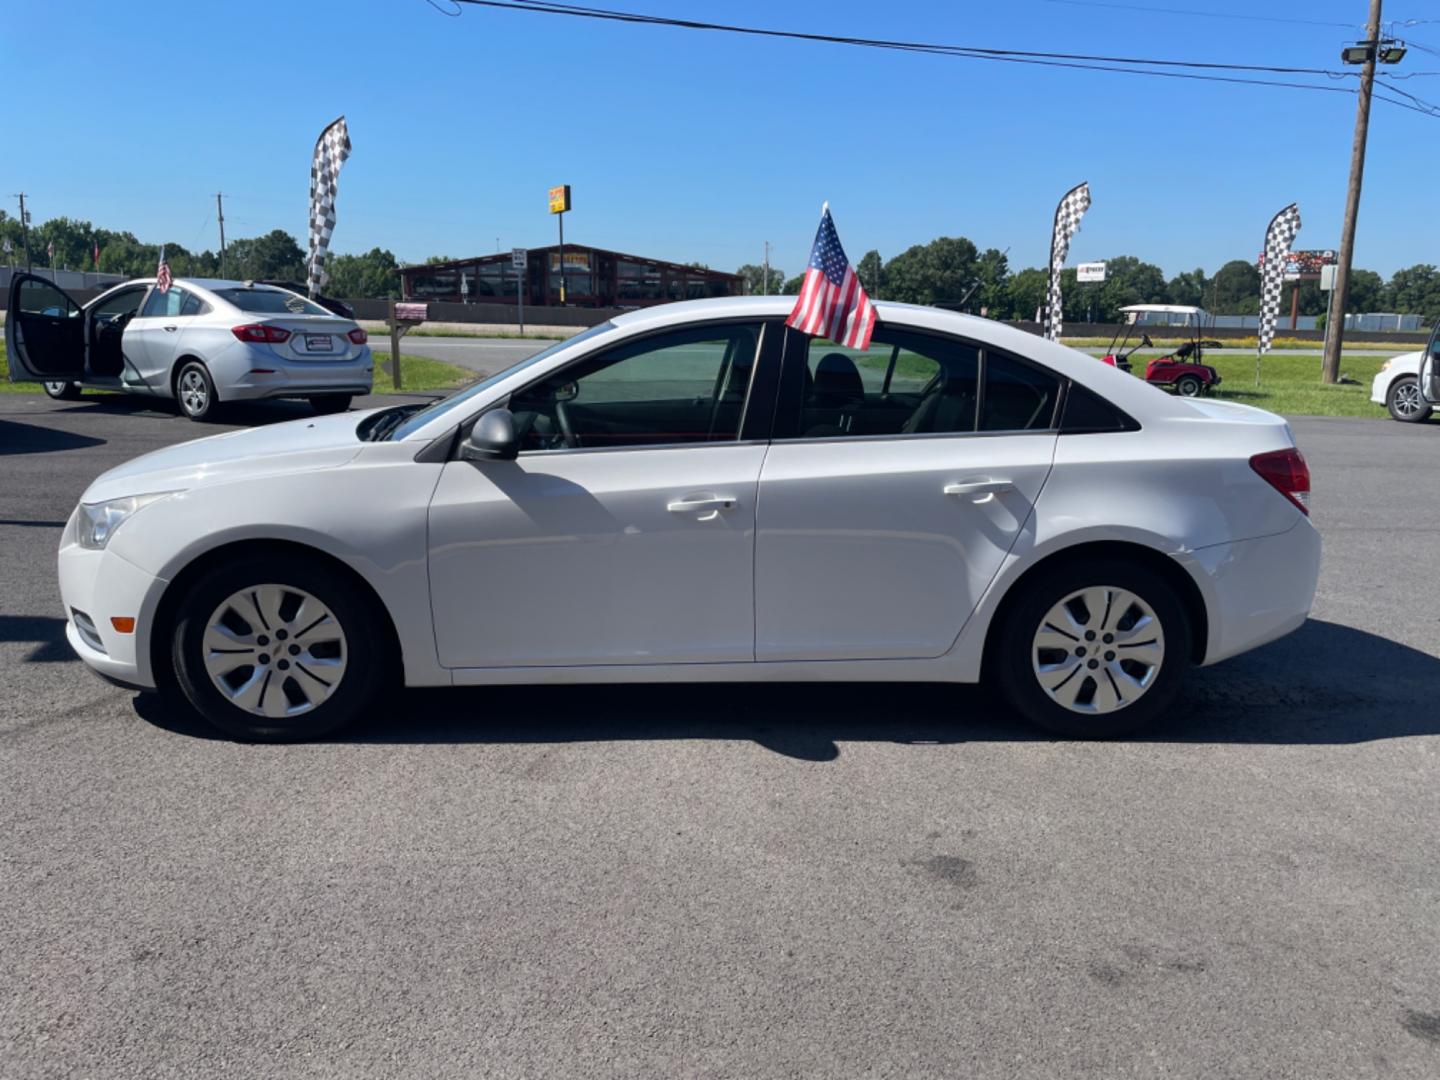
(358,336)
(1287,473)
(273,335)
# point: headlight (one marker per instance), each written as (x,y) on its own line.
(98,521)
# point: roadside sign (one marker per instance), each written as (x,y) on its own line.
(1091,271)
(1327,277)
(519,257)
(560,199)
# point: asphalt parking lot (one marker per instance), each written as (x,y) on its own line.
(739,881)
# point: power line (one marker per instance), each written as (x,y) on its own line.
(1075,61)
(547,7)
(1202,14)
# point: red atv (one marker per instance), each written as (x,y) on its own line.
(1182,370)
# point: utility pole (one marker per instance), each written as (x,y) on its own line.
(220,214)
(25,231)
(1335,320)
(765,288)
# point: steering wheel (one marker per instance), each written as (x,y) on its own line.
(567,430)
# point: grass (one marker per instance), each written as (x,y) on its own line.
(418,374)
(1291,384)
(1166,342)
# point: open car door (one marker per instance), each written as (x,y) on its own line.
(1430,369)
(44,332)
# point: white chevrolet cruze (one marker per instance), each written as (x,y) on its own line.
(697,493)
(202,342)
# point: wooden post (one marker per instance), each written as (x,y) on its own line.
(396,332)
(1295,305)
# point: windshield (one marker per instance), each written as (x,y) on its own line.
(460,397)
(269,302)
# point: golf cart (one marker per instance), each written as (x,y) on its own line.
(1120,358)
(1184,370)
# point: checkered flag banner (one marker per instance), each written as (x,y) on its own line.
(1278,238)
(331,150)
(1067,223)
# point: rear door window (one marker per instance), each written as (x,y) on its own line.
(173,303)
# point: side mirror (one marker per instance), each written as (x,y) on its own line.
(492,438)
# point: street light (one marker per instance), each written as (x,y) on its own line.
(1386,52)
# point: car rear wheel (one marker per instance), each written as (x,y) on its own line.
(1189,386)
(1404,401)
(278,650)
(330,403)
(1093,650)
(195,391)
(62,391)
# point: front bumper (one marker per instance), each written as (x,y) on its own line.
(1379,387)
(1257,590)
(96,586)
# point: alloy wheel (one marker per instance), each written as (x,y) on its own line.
(1098,650)
(274,651)
(194,393)
(1406,399)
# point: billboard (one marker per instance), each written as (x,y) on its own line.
(560,199)
(1091,271)
(1304,265)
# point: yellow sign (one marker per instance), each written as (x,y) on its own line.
(560,199)
(574,260)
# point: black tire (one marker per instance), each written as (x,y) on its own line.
(366,650)
(61,391)
(1189,386)
(330,403)
(1012,649)
(195,392)
(1403,401)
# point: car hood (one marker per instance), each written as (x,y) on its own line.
(323,442)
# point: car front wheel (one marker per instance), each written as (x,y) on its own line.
(1093,650)
(1404,401)
(278,650)
(61,391)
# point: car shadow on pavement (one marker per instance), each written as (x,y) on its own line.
(46,632)
(234,414)
(18,438)
(1324,684)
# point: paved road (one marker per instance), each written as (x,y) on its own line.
(483,355)
(734,881)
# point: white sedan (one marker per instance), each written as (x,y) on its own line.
(695,493)
(1397,387)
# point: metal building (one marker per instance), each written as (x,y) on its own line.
(594,277)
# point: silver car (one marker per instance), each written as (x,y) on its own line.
(202,342)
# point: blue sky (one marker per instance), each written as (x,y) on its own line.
(688,145)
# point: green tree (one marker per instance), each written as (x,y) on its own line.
(1025,292)
(792,285)
(1416,289)
(991,289)
(1189,287)
(938,273)
(755,281)
(1235,289)
(1367,292)
(372,275)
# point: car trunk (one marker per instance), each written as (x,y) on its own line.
(314,338)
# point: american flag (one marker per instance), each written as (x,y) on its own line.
(832,302)
(162,274)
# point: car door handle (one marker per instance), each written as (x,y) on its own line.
(979,487)
(172,328)
(701,505)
